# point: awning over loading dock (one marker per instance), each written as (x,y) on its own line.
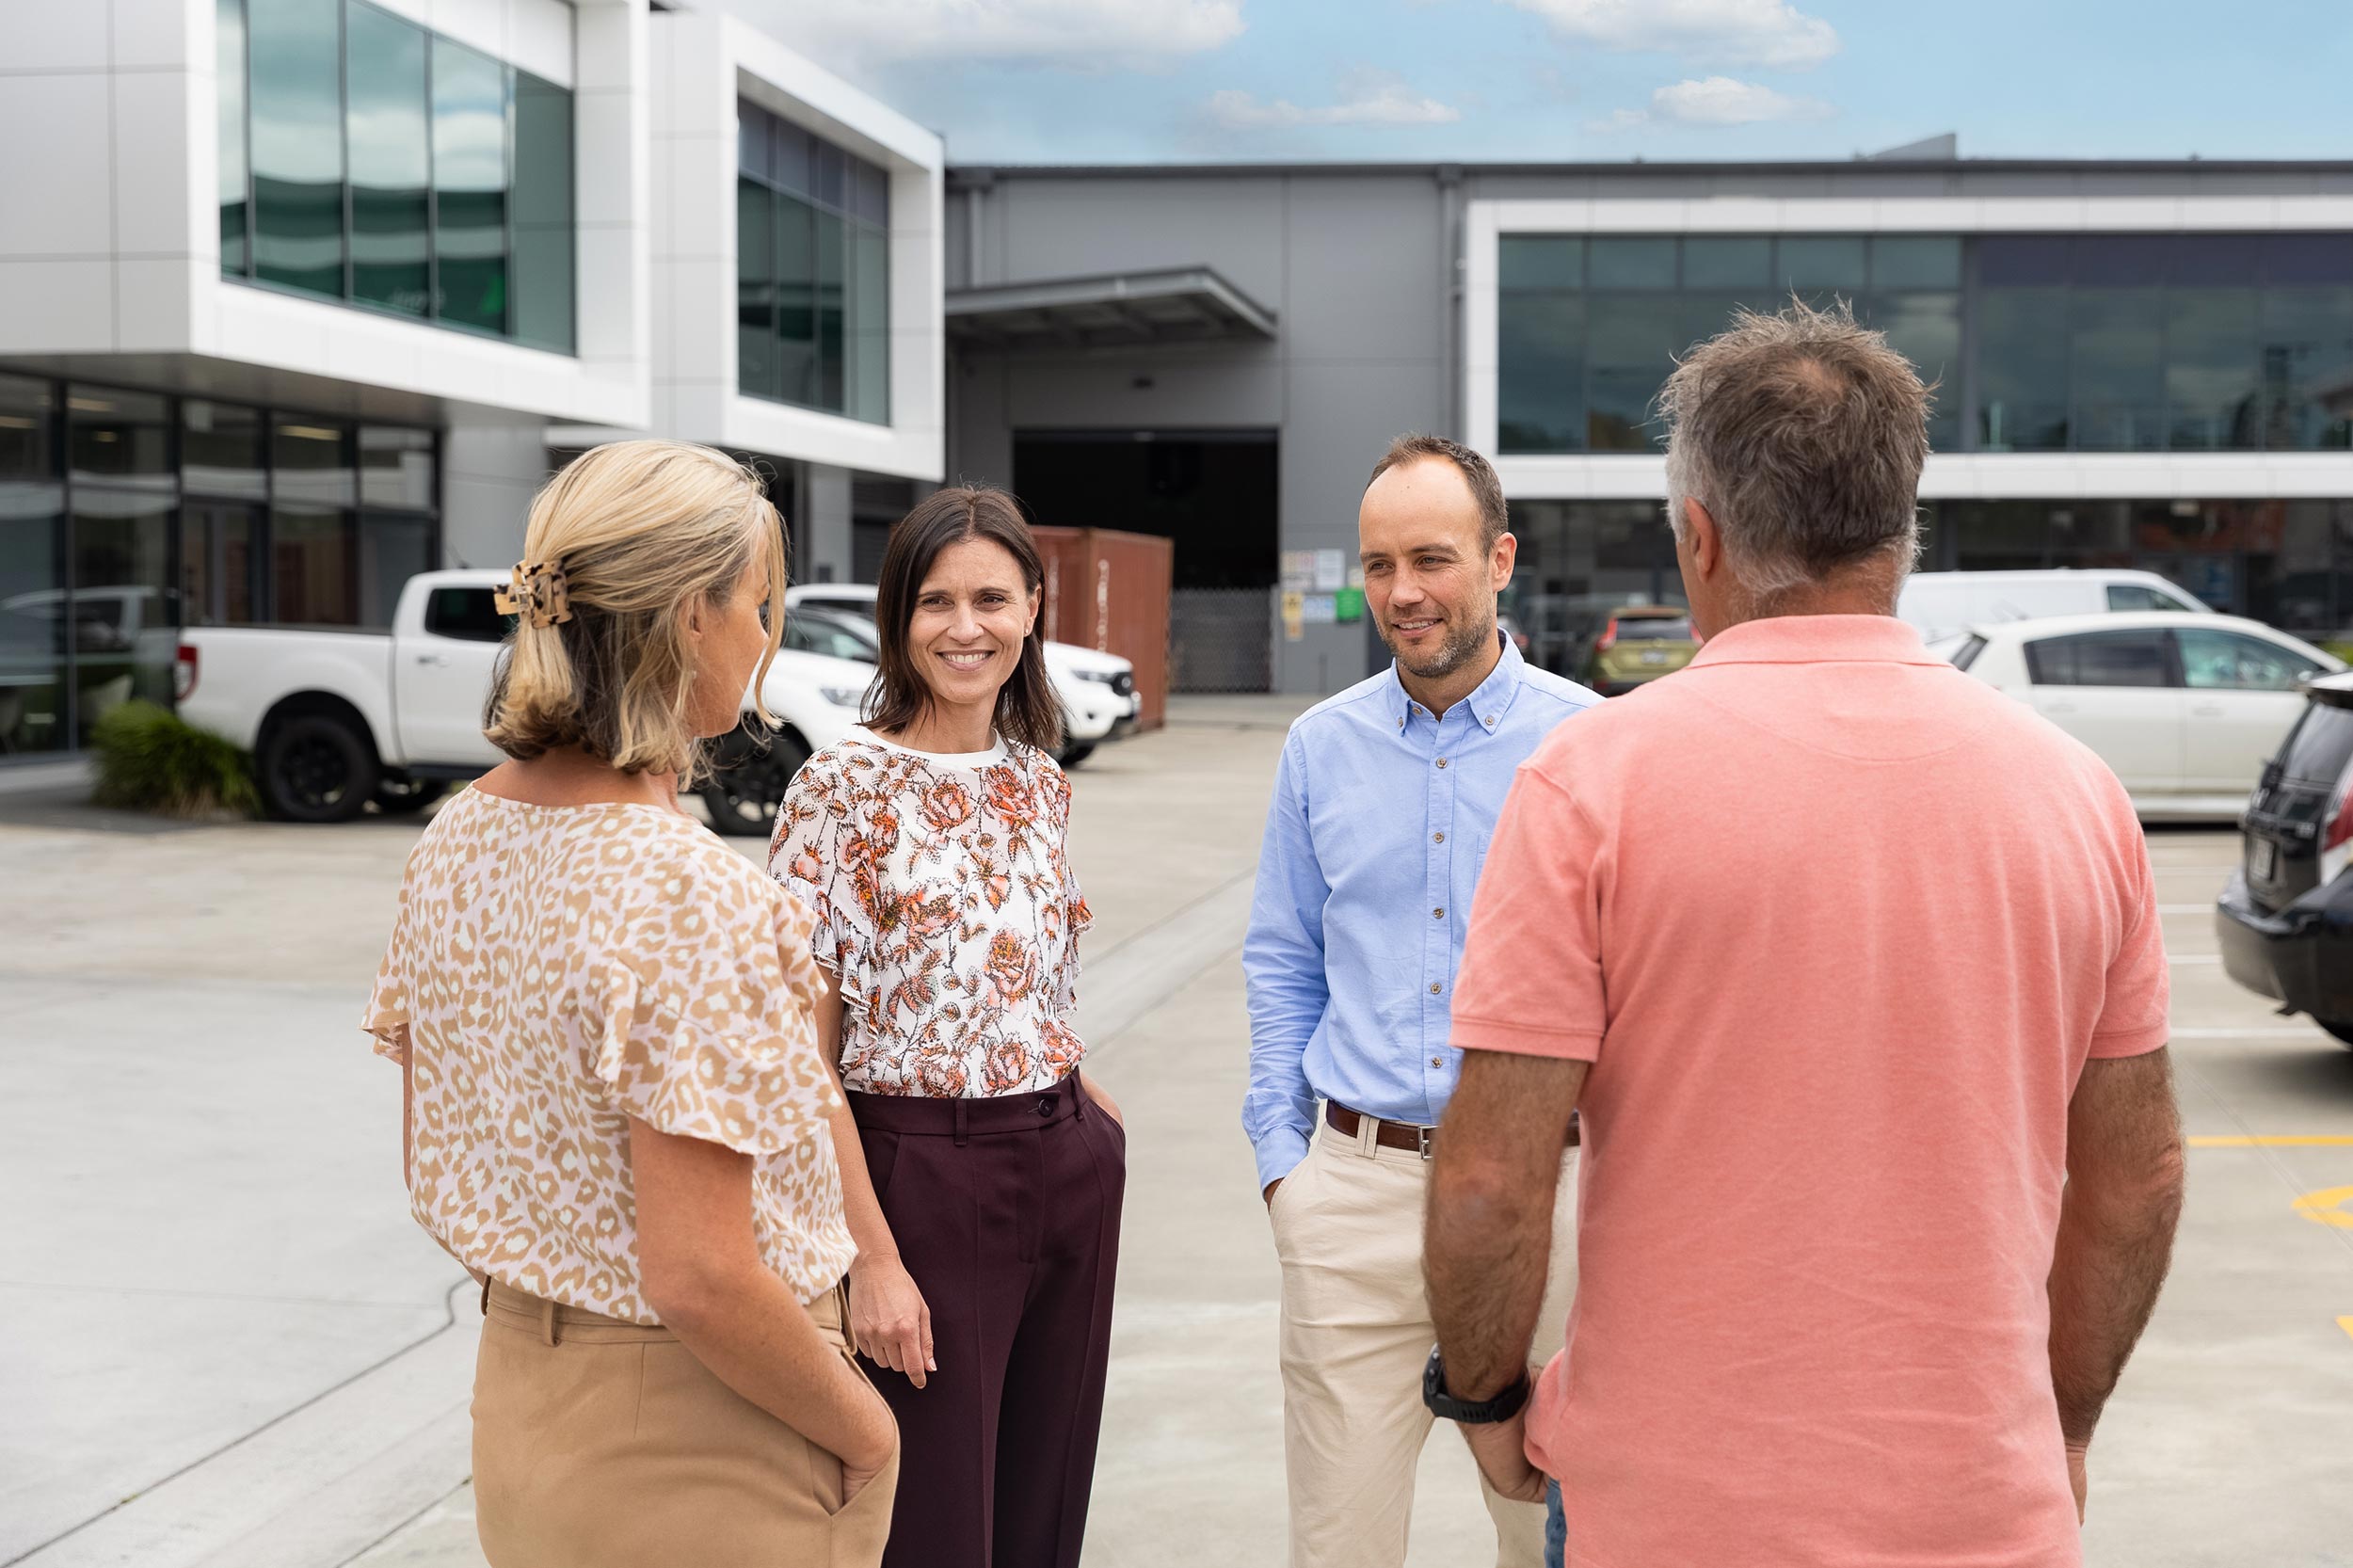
(1178,305)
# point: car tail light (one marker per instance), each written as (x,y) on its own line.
(183,674)
(1609,636)
(2339,831)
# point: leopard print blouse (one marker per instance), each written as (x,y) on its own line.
(556,970)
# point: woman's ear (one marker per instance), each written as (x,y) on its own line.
(694,611)
(1038,598)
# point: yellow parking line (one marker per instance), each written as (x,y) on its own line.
(2299,1141)
(2345,1323)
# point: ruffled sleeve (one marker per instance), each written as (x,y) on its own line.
(702,1030)
(1077,918)
(805,857)
(387,1016)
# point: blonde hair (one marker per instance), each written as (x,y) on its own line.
(641,531)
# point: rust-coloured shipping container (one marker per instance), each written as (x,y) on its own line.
(1108,591)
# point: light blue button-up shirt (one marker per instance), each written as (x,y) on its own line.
(1380,824)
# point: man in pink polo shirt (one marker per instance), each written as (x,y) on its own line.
(1853,967)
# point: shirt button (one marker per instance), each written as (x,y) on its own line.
(1438,838)
(1490,721)
(1438,1061)
(1434,987)
(1442,761)
(1439,913)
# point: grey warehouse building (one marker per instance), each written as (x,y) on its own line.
(2145,364)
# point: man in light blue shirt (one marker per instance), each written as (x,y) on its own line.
(1385,799)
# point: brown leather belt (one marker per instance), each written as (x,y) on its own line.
(1395,1135)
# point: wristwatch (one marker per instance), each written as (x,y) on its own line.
(1496,1407)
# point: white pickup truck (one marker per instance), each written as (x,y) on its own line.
(336,719)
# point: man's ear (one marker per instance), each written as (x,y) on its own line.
(1702,538)
(1503,558)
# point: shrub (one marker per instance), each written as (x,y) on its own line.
(150,761)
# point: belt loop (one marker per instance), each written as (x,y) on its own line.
(961,1106)
(1368,1135)
(547,1321)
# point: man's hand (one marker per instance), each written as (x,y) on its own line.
(888,1316)
(1501,1449)
(2079,1475)
(1269,1194)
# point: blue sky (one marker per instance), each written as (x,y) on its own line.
(1114,81)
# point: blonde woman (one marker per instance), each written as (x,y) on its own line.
(616,1109)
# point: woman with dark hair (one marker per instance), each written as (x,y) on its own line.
(984,1172)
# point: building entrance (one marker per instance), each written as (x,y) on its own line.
(1213,494)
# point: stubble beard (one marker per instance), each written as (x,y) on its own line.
(1462,644)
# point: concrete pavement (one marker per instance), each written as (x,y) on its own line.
(234,1347)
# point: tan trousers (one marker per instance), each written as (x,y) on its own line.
(1355,1336)
(605,1444)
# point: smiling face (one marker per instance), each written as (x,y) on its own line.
(1429,580)
(972,614)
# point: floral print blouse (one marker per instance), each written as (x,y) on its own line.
(556,970)
(946,907)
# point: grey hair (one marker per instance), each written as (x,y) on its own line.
(1803,434)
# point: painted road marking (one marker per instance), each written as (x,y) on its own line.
(2345,1323)
(2277,1141)
(2327,1207)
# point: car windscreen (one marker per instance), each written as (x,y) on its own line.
(2134,658)
(2320,747)
(1654,627)
(1966,654)
(468,614)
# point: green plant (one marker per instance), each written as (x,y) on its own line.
(150,761)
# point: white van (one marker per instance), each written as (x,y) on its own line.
(1942,603)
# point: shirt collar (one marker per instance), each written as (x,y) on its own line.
(1486,706)
(1816,640)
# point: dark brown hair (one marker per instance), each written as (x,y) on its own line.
(1484,486)
(1027,709)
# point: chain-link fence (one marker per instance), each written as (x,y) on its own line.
(1220,640)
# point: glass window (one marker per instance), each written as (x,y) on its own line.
(466,615)
(869,326)
(314,565)
(2100,659)
(756,289)
(2022,370)
(119,438)
(396,468)
(2228,661)
(1541,260)
(755,142)
(392,549)
(124,621)
(2132,595)
(796,157)
(829,167)
(1915,261)
(470,186)
(832,286)
(27,417)
(1632,264)
(796,301)
(2304,348)
(543,306)
(220,449)
(310,461)
(391,157)
(870,194)
(1739,264)
(2290,260)
(229,118)
(2115,338)
(1924,327)
(32,573)
(2211,365)
(294,48)
(2121,261)
(1541,372)
(1966,654)
(1814,266)
(2022,261)
(1631,341)
(219,563)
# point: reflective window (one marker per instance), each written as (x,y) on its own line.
(468,614)
(543,273)
(294,48)
(396,467)
(220,563)
(392,549)
(812,270)
(119,437)
(124,620)
(392,160)
(222,449)
(1578,561)
(230,117)
(314,565)
(2100,659)
(2231,661)
(311,460)
(33,658)
(28,412)
(470,186)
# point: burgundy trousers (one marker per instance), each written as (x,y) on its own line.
(1006,1213)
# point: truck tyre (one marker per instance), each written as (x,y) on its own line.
(748,776)
(316,768)
(402,799)
(2341,1028)
(1074,752)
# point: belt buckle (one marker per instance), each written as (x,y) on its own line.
(1422,1137)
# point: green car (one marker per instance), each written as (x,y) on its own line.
(1638,643)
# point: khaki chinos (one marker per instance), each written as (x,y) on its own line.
(1355,1336)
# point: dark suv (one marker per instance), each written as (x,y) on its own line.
(2286,919)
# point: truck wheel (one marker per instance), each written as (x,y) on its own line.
(406,799)
(2341,1028)
(1074,752)
(747,782)
(315,768)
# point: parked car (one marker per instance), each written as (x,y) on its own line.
(2285,921)
(1942,603)
(336,719)
(1638,642)
(1098,690)
(2185,705)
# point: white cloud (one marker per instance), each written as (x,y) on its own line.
(1377,102)
(1728,32)
(1075,34)
(1715,101)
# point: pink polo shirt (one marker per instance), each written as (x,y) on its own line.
(1837,927)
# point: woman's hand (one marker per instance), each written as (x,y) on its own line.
(888,1316)
(1094,1091)
(879,1440)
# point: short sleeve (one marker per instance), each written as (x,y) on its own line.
(1530,980)
(387,1018)
(805,857)
(2133,1009)
(703,1019)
